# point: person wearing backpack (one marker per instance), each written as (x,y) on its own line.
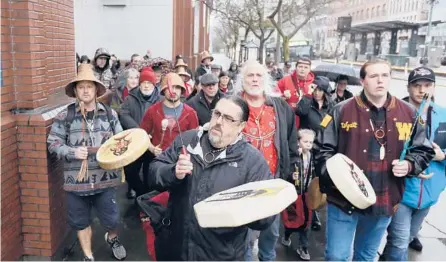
(76,134)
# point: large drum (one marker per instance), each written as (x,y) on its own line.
(123,149)
(351,181)
(244,204)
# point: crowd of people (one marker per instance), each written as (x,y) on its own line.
(211,130)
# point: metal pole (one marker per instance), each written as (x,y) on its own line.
(278,54)
(427,42)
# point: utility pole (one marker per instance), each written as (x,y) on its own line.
(278,54)
(427,42)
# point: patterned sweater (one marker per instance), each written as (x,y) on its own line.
(63,142)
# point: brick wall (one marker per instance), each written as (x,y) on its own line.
(37,61)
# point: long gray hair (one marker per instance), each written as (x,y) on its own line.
(269,85)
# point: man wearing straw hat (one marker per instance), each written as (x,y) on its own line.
(205,66)
(76,134)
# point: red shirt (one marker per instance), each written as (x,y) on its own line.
(260,130)
(125,93)
(151,122)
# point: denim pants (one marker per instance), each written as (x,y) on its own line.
(405,225)
(267,242)
(343,232)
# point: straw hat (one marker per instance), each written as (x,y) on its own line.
(316,199)
(182,72)
(85,73)
(175,80)
(205,54)
(180,63)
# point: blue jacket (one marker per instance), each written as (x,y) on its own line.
(421,193)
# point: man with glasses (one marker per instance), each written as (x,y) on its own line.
(271,128)
(216,159)
(207,98)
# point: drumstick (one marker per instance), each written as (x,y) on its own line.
(164,124)
(169,88)
(417,117)
(83,172)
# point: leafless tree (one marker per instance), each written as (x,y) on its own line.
(250,14)
(295,15)
(228,34)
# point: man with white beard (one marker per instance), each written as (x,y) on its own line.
(271,128)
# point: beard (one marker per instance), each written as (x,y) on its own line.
(215,140)
(254,92)
(147,92)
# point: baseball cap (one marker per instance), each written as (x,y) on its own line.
(421,73)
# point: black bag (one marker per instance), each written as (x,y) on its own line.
(159,217)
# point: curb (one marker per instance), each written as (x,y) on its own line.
(396,68)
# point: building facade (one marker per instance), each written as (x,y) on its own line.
(323,29)
(125,27)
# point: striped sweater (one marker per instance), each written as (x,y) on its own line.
(63,142)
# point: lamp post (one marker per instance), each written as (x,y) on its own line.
(427,42)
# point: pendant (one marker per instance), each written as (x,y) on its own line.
(296,182)
(382,152)
(209,157)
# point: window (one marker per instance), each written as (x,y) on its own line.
(384,11)
(367,15)
(372,15)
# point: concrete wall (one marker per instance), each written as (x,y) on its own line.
(132,27)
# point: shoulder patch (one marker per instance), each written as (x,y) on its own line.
(327,119)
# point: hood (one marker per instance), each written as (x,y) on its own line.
(233,64)
(101,52)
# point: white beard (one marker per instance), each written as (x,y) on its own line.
(255,92)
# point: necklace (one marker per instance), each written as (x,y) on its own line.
(210,156)
(90,126)
(379,134)
(257,121)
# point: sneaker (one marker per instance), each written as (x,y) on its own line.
(88,258)
(131,194)
(416,245)
(118,249)
(286,242)
(303,254)
(316,226)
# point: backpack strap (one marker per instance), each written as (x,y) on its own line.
(109,116)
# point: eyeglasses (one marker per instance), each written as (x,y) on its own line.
(226,119)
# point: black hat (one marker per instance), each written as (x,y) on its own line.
(209,79)
(323,83)
(421,73)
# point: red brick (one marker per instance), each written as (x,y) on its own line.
(30,207)
(31,251)
(31,237)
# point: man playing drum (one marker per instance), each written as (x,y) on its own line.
(76,134)
(215,161)
(370,129)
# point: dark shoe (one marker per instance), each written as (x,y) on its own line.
(316,226)
(131,194)
(416,245)
(118,249)
(88,258)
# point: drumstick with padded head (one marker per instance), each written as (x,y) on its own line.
(170,89)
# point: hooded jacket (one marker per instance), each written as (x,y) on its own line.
(105,75)
(135,106)
(239,164)
(424,193)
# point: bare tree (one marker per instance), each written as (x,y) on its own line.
(295,15)
(249,14)
(228,33)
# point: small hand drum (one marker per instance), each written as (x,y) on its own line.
(351,181)
(123,149)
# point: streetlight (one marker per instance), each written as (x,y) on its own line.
(427,42)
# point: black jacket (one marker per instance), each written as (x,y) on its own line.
(135,106)
(199,72)
(188,241)
(286,140)
(308,111)
(199,103)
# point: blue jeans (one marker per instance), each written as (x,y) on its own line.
(362,232)
(405,225)
(267,242)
